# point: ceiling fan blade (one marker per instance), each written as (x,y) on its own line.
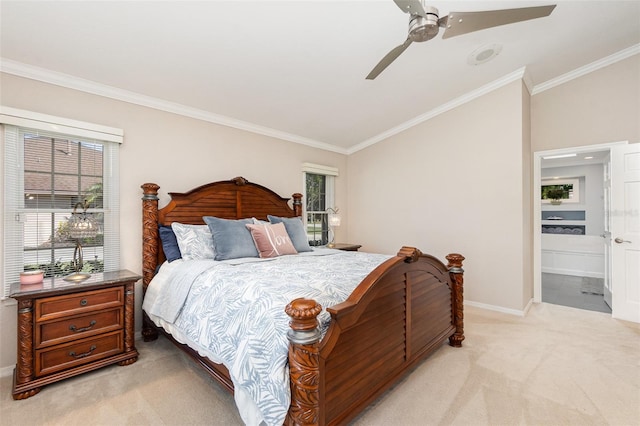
(390,57)
(411,6)
(459,23)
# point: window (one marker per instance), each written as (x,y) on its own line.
(46,176)
(556,191)
(319,196)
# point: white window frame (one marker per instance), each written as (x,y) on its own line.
(330,174)
(11,120)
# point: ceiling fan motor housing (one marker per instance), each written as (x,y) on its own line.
(423,28)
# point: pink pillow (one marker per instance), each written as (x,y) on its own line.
(271,240)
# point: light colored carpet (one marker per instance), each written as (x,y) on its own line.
(556,366)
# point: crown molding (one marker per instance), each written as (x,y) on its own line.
(487,88)
(593,66)
(528,80)
(65,80)
(71,82)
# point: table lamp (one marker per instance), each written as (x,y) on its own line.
(81,225)
(334,221)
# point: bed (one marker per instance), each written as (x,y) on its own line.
(340,357)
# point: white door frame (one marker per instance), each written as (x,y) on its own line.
(537,207)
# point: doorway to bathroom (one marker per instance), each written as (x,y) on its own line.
(572,213)
(588,232)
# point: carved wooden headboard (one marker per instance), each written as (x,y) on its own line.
(229,199)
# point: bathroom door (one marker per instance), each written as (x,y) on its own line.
(625,230)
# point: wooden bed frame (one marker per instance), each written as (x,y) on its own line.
(402,311)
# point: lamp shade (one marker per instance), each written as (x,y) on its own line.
(334,219)
(82,225)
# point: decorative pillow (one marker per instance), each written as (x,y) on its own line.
(169,243)
(271,240)
(195,241)
(231,238)
(296,231)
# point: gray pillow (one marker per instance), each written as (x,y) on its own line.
(295,229)
(231,238)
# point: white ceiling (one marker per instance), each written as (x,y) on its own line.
(579,159)
(296,69)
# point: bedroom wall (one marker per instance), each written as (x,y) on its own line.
(527,200)
(600,107)
(440,211)
(454,183)
(176,152)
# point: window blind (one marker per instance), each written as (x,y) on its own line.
(46,174)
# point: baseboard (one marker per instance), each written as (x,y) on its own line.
(7,371)
(520,313)
(572,272)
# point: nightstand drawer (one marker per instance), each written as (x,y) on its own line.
(68,329)
(74,354)
(60,306)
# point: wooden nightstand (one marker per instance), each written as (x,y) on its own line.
(66,328)
(346,247)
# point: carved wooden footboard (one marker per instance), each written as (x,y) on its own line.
(399,314)
(402,311)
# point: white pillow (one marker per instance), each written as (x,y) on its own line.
(195,241)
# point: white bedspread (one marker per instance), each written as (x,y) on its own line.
(234,313)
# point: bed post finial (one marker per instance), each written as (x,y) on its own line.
(304,361)
(149,231)
(456,273)
(297,203)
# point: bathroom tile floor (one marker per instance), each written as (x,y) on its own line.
(567,290)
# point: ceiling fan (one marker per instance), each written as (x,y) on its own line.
(424,23)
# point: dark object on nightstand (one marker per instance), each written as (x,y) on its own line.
(67,328)
(346,246)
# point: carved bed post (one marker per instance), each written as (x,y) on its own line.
(149,247)
(149,231)
(297,203)
(456,273)
(304,338)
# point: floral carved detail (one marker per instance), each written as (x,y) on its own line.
(24,369)
(304,362)
(129,304)
(149,232)
(456,273)
(303,365)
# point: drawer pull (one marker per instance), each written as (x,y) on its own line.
(83,302)
(91,349)
(80,330)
